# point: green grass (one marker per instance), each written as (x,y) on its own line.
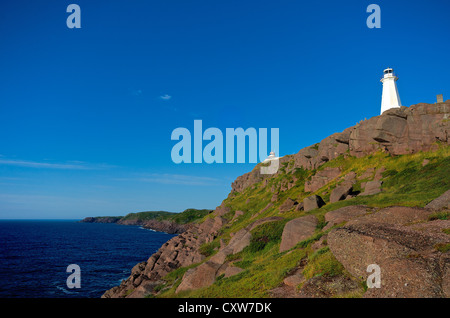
(405,182)
(323,263)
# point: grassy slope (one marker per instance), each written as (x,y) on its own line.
(405,182)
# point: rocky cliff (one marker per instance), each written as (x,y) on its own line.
(397,131)
(376,193)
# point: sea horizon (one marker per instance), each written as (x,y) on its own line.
(35,255)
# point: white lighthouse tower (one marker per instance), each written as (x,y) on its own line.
(390,98)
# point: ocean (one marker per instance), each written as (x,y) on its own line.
(35,254)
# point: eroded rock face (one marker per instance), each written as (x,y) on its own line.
(397,131)
(297,230)
(410,264)
(402,130)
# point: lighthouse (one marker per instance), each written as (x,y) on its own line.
(390,98)
(271,157)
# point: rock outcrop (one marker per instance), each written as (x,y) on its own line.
(410,263)
(397,131)
(205,274)
(180,251)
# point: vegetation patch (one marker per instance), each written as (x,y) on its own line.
(323,263)
(209,249)
(442,247)
(443,215)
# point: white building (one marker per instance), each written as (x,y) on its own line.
(271,157)
(390,98)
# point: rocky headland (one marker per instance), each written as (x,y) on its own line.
(376,193)
(160,221)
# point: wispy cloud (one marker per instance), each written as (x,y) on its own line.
(136,92)
(165,97)
(167,178)
(70,165)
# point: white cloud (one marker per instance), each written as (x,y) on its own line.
(136,92)
(71,165)
(167,178)
(165,97)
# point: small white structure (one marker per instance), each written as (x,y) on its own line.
(271,157)
(390,98)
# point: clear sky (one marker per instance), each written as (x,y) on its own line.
(86,114)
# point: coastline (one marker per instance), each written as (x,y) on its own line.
(165,226)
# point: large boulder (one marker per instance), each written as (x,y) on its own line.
(372,187)
(312,202)
(340,192)
(297,230)
(410,263)
(201,276)
(441,202)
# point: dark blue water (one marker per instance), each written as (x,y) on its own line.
(34,255)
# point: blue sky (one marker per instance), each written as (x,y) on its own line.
(86,114)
